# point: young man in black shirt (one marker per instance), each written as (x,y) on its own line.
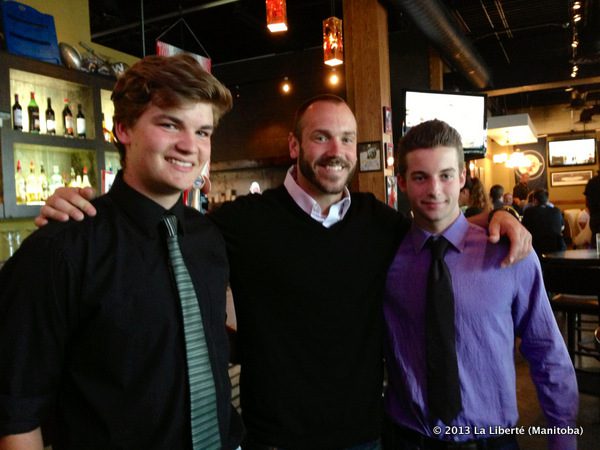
(91,326)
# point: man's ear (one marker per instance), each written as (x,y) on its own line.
(122,133)
(463,176)
(294,146)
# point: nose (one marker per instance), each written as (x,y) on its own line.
(186,141)
(435,186)
(335,147)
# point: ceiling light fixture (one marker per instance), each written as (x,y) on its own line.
(276,16)
(333,79)
(286,86)
(333,42)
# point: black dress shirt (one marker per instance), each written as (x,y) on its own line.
(91,332)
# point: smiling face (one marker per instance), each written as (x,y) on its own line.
(166,149)
(432,183)
(326,151)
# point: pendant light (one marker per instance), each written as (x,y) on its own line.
(333,42)
(276,16)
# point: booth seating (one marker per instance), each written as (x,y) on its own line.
(574,287)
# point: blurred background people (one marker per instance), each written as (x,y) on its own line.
(592,201)
(545,223)
(478,201)
(496,196)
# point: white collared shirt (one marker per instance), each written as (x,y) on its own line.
(337,211)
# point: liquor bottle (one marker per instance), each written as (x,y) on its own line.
(44,185)
(50,119)
(20,192)
(80,122)
(17,113)
(68,119)
(56,180)
(73,182)
(85,182)
(108,136)
(34,115)
(32,186)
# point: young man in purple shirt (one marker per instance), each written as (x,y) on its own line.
(492,306)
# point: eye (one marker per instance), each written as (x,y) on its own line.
(320,138)
(348,139)
(203,133)
(168,125)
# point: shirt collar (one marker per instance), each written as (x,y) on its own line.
(337,211)
(142,211)
(456,234)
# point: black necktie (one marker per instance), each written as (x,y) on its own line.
(203,400)
(443,387)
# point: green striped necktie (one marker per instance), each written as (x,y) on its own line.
(203,399)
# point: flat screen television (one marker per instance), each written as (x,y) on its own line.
(572,152)
(465,112)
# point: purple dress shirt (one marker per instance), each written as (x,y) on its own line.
(492,307)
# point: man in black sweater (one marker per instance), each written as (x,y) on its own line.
(308,263)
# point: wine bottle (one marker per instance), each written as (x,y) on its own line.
(50,119)
(34,115)
(80,122)
(68,119)
(17,113)
(20,192)
(56,180)
(73,181)
(85,182)
(32,186)
(45,188)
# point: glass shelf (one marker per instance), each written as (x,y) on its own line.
(63,167)
(23,83)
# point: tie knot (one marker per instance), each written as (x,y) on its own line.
(438,247)
(170,222)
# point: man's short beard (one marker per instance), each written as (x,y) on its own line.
(308,173)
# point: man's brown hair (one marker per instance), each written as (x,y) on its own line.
(166,82)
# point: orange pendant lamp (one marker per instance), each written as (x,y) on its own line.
(276,16)
(333,42)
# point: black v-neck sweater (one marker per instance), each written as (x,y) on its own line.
(308,306)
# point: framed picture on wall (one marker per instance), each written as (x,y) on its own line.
(370,156)
(572,178)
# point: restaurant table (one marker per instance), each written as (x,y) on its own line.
(576,273)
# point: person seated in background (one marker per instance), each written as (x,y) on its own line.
(545,223)
(512,202)
(497,199)
(464,198)
(478,201)
(583,239)
(496,196)
(521,189)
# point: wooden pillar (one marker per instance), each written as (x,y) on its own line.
(367,66)
(436,71)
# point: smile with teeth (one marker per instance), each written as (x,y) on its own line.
(179,163)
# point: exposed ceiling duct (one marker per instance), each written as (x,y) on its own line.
(436,24)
